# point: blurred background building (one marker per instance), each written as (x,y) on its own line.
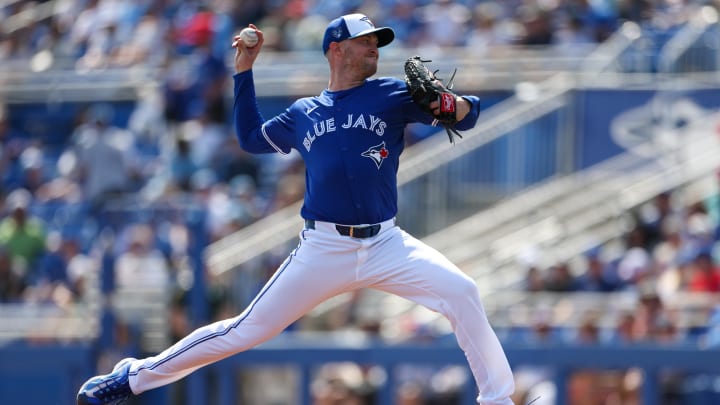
(586,203)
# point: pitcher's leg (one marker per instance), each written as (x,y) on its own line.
(420,273)
(297,286)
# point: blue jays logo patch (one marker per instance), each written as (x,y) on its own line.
(367,20)
(336,33)
(377,153)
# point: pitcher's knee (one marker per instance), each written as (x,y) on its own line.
(465,287)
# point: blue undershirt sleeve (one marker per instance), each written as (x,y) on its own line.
(471,118)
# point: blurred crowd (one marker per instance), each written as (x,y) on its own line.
(57,200)
(672,248)
(669,262)
(115,33)
(125,187)
(177,145)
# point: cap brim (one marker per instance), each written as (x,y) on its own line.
(385,35)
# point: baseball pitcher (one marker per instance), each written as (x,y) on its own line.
(350,137)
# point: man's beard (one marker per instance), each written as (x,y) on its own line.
(362,67)
(368,68)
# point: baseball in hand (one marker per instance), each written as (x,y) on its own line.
(249,37)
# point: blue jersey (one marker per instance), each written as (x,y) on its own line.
(350,141)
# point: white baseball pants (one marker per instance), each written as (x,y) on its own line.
(326,264)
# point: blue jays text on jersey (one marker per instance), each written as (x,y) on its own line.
(370,123)
(350,141)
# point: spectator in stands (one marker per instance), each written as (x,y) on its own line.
(12,285)
(704,274)
(12,144)
(7,131)
(339,383)
(32,167)
(147,40)
(83,27)
(141,265)
(667,255)
(222,212)
(206,140)
(212,82)
(147,120)
(195,84)
(22,234)
(61,188)
(653,321)
(700,228)
(65,271)
(560,279)
(104,154)
(598,275)
(272,17)
(534,281)
(405,22)
(598,17)
(51,283)
(237,206)
(588,332)
(232,161)
(573,38)
(635,263)
(101,48)
(665,331)
(11,170)
(624,331)
(182,167)
(83,270)
(656,217)
(172,179)
(537,26)
(179,319)
(490,29)
(541,331)
(445,23)
(212,194)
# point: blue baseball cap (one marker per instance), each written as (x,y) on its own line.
(352,26)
